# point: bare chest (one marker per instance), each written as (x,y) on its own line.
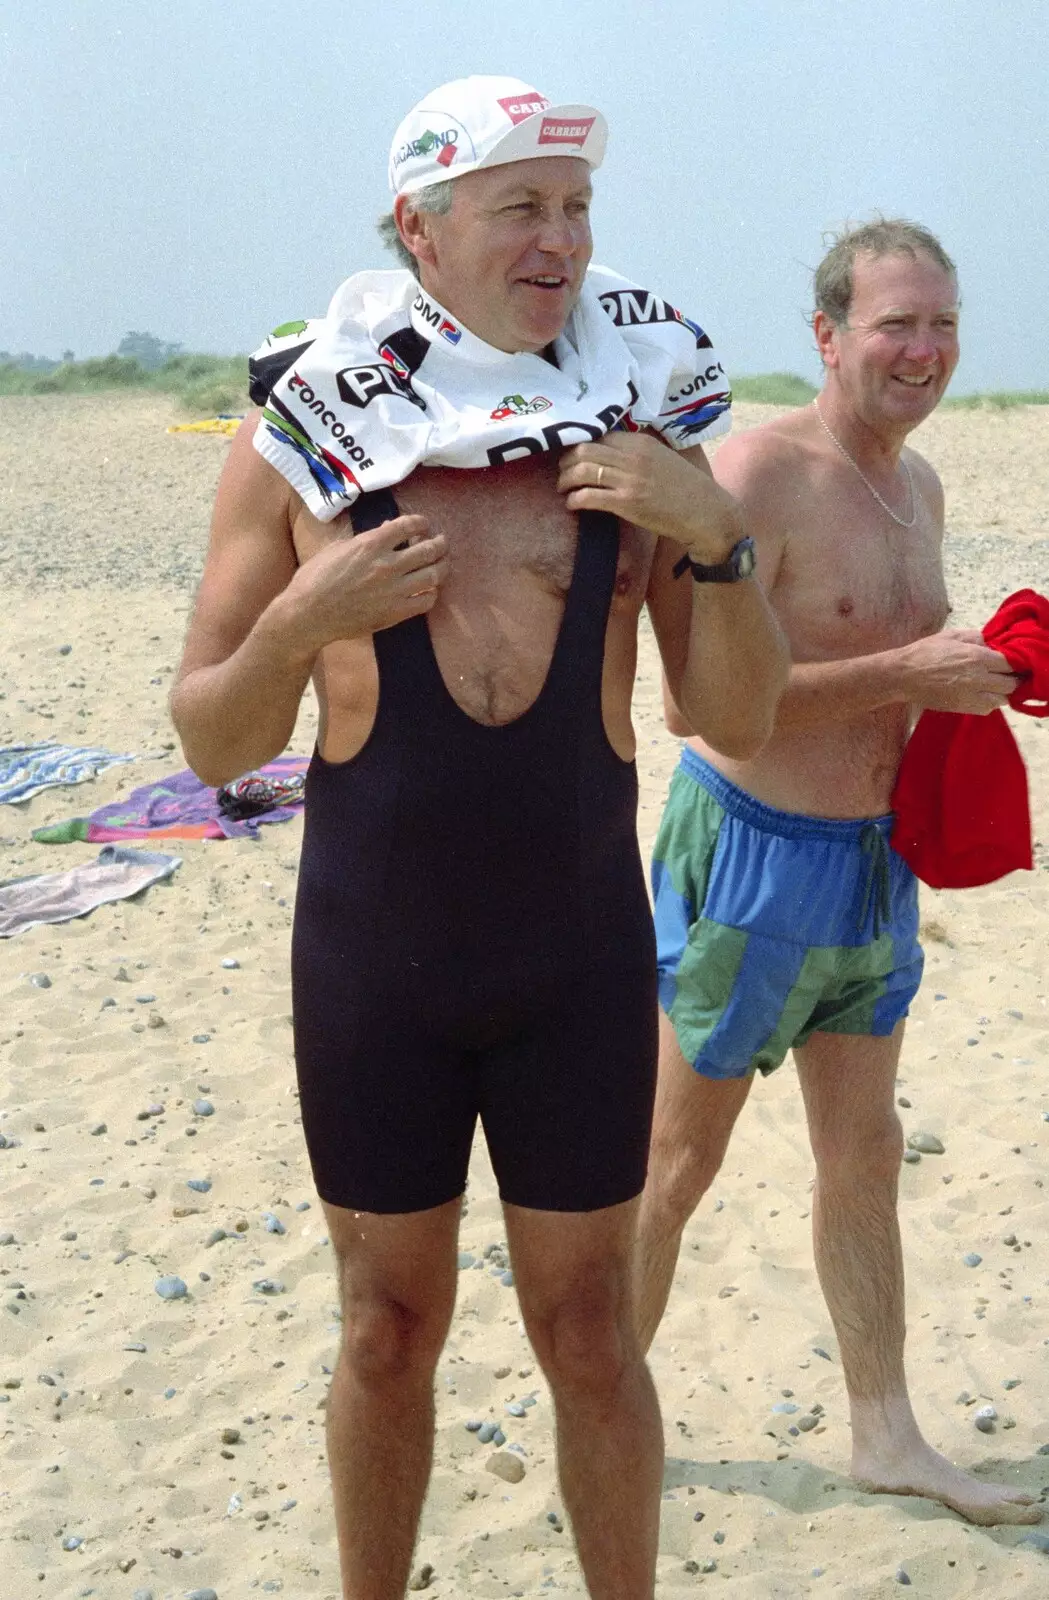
(512,553)
(853,582)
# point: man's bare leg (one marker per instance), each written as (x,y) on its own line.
(397,1279)
(573,1277)
(693,1122)
(848,1084)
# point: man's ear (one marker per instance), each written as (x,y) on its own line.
(826,335)
(415,229)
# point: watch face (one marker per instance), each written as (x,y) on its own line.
(745,560)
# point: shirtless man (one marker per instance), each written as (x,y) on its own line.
(784,920)
(472,932)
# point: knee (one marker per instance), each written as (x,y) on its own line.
(586,1341)
(384,1340)
(867,1155)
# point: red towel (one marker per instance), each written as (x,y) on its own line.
(962,814)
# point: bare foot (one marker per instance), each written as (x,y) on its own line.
(923,1471)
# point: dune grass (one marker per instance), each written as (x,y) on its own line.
(773,389)
(202,384)
(787,389)
(999,399)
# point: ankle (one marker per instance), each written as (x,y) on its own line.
(883,1427)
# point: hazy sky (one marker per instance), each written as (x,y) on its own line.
(205,169)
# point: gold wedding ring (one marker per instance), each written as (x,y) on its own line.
(600,475)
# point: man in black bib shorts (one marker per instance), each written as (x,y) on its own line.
(478,941)
(472,936)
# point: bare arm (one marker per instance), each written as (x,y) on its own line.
(723,653)
(949,671)
(260,619)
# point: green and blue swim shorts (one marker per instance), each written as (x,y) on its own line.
(771,926)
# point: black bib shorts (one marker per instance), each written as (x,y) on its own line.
(473,937)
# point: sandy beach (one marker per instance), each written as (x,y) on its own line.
(181,1442)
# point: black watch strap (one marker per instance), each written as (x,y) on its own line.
(738,564)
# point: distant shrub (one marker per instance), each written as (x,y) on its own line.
(212,396)
(999,400)
(202,384)
(189,368)
(100,372)
(145,348)
(15,379)
(75,377)
(774,389)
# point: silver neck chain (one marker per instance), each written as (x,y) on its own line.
(903,522)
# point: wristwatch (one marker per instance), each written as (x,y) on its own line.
(739,563)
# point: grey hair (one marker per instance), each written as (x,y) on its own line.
(436,198)
(832,280)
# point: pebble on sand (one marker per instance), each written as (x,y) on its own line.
(171,1288)
(506,1466)
(926,1143)
(272,1224)
(423,1578)
(985,1419)
(203,1108)
(1037,1541)
(971,1259)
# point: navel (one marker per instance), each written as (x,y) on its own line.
(846,606)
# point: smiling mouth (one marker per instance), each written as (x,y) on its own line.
(911,380)
(545,280)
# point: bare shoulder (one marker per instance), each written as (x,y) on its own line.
(251,554)
(928,483)
(757,465)
(247,478)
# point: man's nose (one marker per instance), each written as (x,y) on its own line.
(922,346)
(556,235)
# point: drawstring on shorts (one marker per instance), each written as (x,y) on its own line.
(876,893)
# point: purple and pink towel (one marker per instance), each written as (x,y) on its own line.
(182,807)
